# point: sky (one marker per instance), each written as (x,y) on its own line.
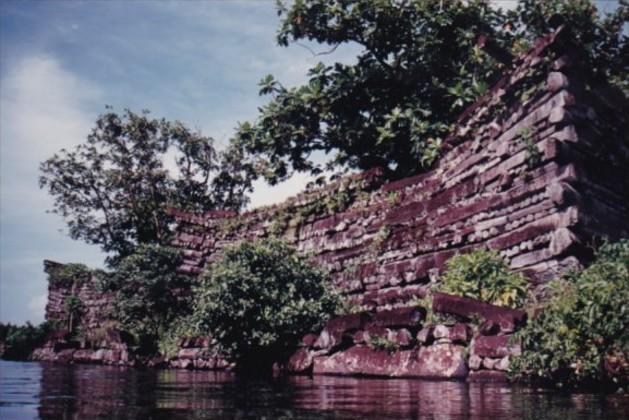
(61,62)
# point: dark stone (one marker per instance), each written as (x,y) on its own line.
(402,337)
(460,333)
(359,337)
(506,318)
(309,340)
(494,346)
(400,317)
(64,356)
(301,361)
(489,328)
(440,362)
(425,335)
(332,334)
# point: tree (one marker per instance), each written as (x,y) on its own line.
(114,190)
(259,299)
(150,294)
(420,65)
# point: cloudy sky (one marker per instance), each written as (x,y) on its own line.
(61,62)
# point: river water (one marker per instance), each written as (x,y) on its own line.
(39,390)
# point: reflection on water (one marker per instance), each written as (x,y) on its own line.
(32,390)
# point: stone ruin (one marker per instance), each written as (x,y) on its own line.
(537,168)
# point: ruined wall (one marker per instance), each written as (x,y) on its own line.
(95,305)
(536,168)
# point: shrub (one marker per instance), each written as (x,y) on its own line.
(581,335)
(151,295)
(484,275)
(260,299)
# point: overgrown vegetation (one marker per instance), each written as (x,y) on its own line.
(419,65)
(69,275)
(581,333)
(17,342)
(484,275)
(73,307)
(150,294)
(260,299)
(382,343)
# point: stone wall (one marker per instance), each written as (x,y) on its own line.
(95,305)
(536,168)
(461,338)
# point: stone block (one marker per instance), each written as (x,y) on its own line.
(494,346)
(425,336)
(506,318)
(409,317)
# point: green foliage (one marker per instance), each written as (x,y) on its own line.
(602,38)
(533,154)
(114,191)
(73,307)
(382,343)
(151,295)
(260,299)
(581,335)
(69,275)
(419,65)
(393,106)
(484,275)
(17,342)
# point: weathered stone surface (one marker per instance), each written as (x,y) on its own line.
(442,361)
(506,318)
(401,337)
(474,362)
(503,364)
(458,333)
(494,346)
(309,340)
(400,317)
(425,335)
(332,334)
(301,361)
(489,328)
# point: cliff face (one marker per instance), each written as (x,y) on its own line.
(537,169)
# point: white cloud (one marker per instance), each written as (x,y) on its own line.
(43,108)
(37,306)
(264,194)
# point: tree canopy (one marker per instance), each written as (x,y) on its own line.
(115,189)
(419,66)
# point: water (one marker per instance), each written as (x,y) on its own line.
(34,390)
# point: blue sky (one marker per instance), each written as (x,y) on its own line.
(61,62)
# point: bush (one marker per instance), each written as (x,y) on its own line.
(484,275)
(581,335)
(151,295)
(260,299)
